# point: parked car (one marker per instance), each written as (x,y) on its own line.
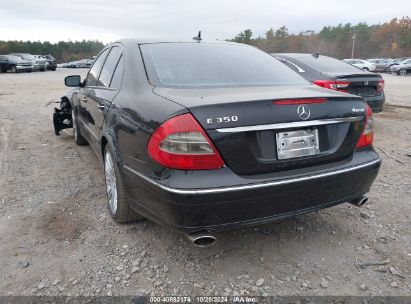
(335,74)
(41,62)
(381,64)
(396,62)
(37,63)
(362,64)
(402,68)
(208,136)
(51,62)
(72,64)
(15,64)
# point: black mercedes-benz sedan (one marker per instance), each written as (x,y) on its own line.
(209,136)
(334,74)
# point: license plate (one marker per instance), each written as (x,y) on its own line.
(297,143)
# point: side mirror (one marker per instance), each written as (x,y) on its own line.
(73,81)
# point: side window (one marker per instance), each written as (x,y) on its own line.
(118,74)
(109,67)
(95,69)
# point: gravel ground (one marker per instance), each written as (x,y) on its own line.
(56,237)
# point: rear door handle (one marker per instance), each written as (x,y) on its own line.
(101,106)
(84,99)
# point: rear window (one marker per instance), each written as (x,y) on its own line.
(327,64)
(202,64)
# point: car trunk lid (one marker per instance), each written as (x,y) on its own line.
(364,84)
(252,129)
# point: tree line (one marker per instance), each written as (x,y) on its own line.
(390,39)
(63,51)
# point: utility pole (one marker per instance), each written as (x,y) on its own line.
(353,45)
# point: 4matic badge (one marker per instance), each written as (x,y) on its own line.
(357,110)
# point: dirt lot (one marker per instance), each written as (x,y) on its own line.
(56,237)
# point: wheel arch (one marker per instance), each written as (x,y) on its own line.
(109,139)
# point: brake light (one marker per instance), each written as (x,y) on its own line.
(299,101)
(367,135)
(181,143)
(333,84)
(381,84)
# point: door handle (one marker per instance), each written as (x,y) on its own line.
(101,107)
(84,99)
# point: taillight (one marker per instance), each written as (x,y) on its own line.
(181,143)
(381,84)
(367,134)
(333,84)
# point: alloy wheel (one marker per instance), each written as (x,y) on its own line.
(111,185)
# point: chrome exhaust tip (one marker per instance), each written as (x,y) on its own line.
(359,201)
(201,238)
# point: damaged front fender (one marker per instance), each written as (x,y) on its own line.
(62,118)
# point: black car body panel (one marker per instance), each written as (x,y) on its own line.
(254,186)
(246,152)
(362,83)
(209,202)
(4,64)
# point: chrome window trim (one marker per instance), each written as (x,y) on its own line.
(289,125)
(249,186)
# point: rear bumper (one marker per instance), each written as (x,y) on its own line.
(176,203)
(376,102)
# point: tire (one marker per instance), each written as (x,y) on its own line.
(365,69)
(4,69)
(402,72)
(117,202)
(13,69)
(78,138)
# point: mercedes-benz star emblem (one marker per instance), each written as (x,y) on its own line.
(304,112)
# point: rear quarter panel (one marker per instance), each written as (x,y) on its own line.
(135,113)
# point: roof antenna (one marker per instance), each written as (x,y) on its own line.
(198,37)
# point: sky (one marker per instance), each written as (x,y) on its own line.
(108,20)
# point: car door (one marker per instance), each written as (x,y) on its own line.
(4,64)
(100,96)
(83,116)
